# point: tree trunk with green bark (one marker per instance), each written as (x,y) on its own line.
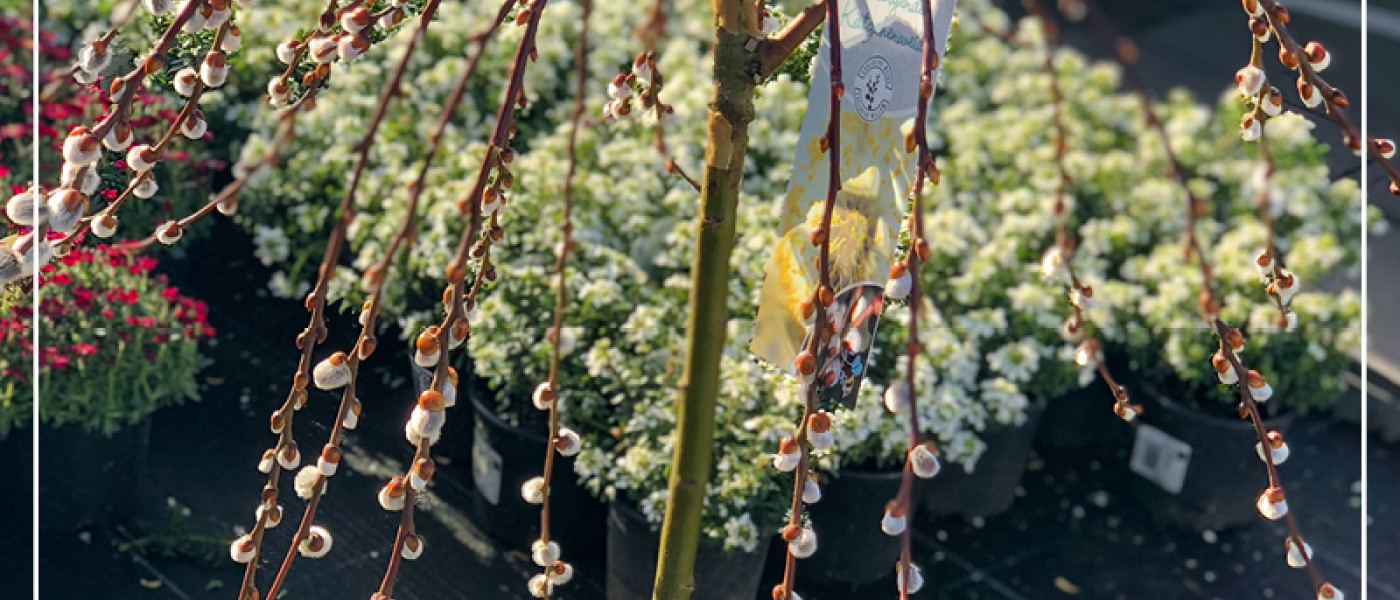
(742,57)
(731,110)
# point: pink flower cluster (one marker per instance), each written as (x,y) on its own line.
(102,287)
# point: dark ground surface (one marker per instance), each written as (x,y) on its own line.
(1075,530)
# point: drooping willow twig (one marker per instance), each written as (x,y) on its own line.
(82,146)
(1253,388)
(485,196)
(920,459)
(343,368)
(560,440)
(801,539)
(1058,262)
(285,454)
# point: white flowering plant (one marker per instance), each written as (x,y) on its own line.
(994,217)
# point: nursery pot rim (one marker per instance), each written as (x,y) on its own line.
(1186,412)
(496,421)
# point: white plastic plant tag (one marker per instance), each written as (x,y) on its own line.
(881,59)
(1160,458)
(486,468)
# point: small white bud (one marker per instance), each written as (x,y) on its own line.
(544,396)
(184,81)
(412,547)
(135,158)
(916,579)
(332,373)
(20,208)
(892,525)
(323,49)
(544,553)
(145,187)
(104,226)
(923,461)
(242,549)
(158,7)
(533,490)
(168,233)
(1250,129)
(81,149)
(805,544)
(561,573)
(540,586)
(897,396)
(811,492)
(287,51)
(214,70)
(232,41)
(92,61)
(1271,504)
(194,126)
(306,481)
(899,287)
(274,518)
(787,461)
(66,207)
(317,543)
(568,442)
(1250,79)
(1052,265)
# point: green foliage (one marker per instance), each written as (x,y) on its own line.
(118,344)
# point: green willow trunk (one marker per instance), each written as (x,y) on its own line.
(730,113)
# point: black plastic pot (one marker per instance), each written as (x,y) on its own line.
(504,457)
(1223,475)
(88,478)
(851,547)
(1082,417)
(632,552)
(991,486)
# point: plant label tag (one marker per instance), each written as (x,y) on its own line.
(882,48)
(486,468)
(1160,458)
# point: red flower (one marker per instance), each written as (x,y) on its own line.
(84,349)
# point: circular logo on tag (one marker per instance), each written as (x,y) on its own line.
(874,88)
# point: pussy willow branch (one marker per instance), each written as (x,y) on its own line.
(191,104)
(1064,240)
(1126,54)
(1256,59)
(824,290)
(1277,16)
(925,170)
(652,30)
(50,92)
(456,268)
(367,334)
(148,66)
(566,243)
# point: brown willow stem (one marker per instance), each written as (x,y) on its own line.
(191,105)
(824,290)
(132,80)
(566,243)
(650,32)
(367,334)
(917,245)
(456,270)
(1209,301)
(1064,240)
(730,112)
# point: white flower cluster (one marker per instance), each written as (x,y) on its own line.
(992,327)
